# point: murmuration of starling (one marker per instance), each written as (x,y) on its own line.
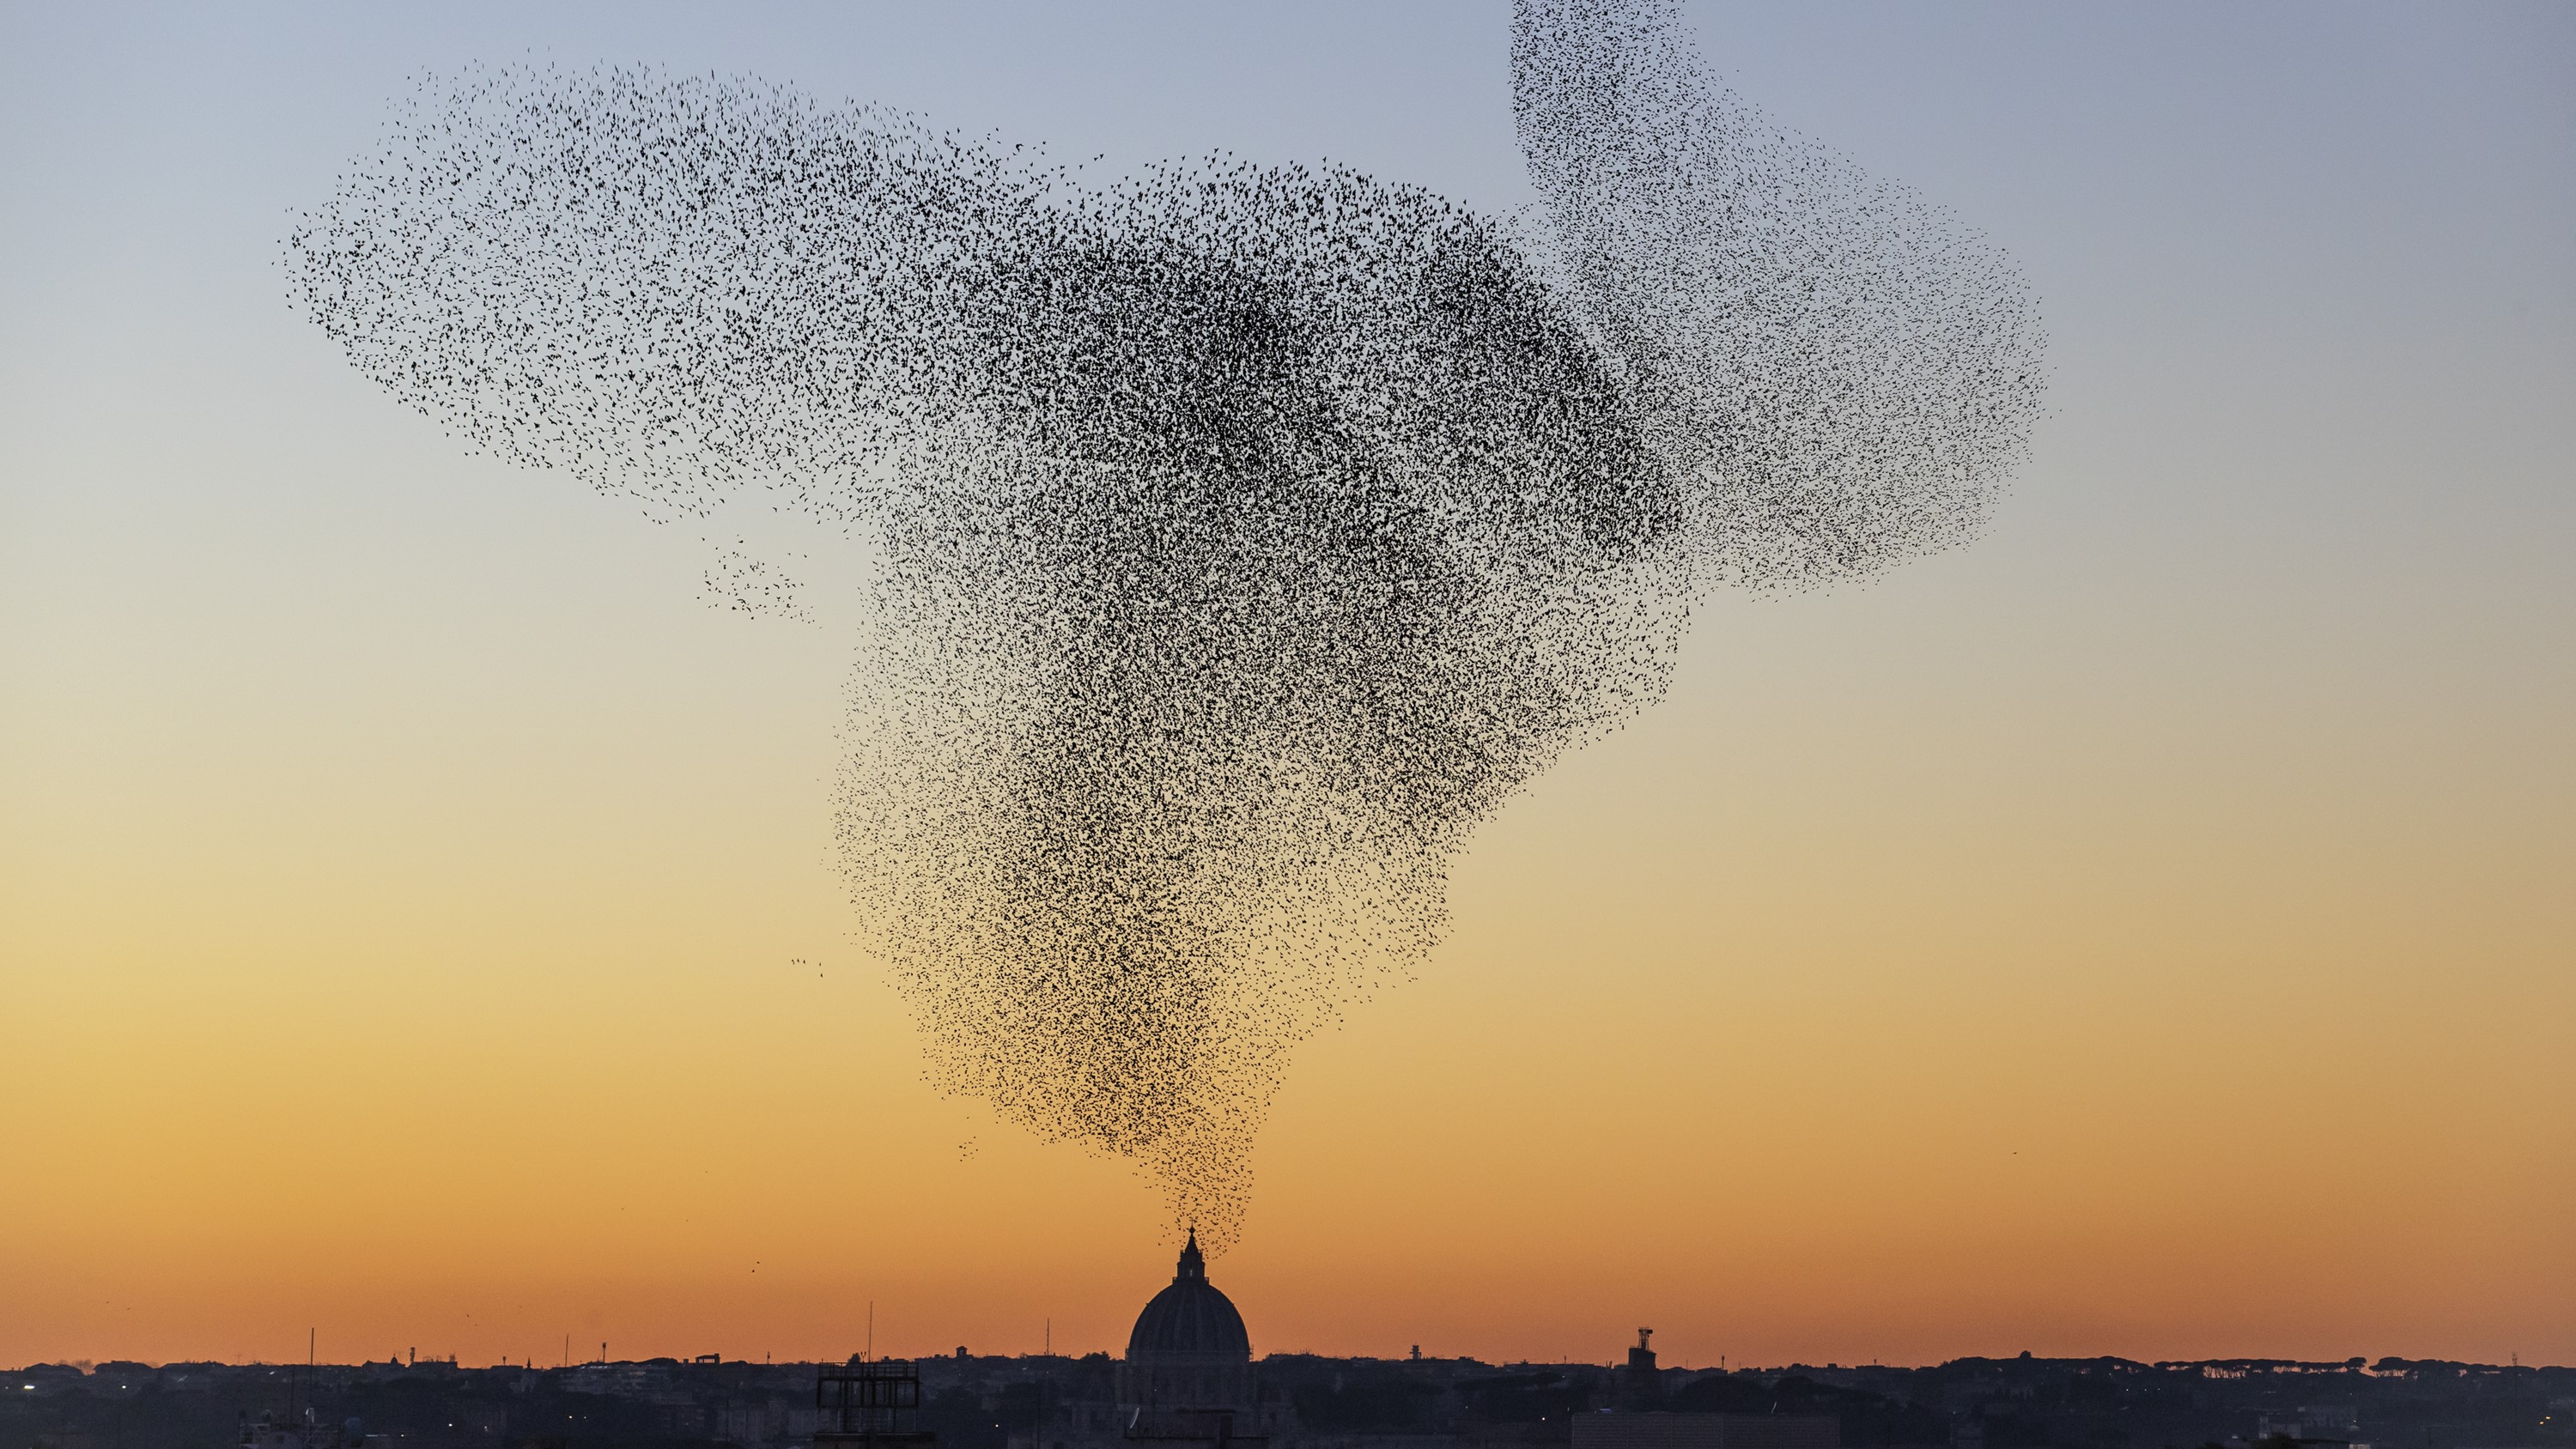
(1240,537)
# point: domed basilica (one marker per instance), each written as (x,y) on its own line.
(1189,1350)
(1187,1378)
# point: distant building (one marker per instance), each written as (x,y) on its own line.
(1707,1431)
(1187,1378)
(2311,1421)
(1640,1388)
(2323,1426)
(1189,1352)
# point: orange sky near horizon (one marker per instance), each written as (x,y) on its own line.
(2150,931)
(1831,1048)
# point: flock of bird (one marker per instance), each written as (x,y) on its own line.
(1241,536)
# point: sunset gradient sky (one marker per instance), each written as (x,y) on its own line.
(2151,931)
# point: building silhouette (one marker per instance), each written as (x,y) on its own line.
(1187,1379)
(1640,1388)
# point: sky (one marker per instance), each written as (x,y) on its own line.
(2149,931)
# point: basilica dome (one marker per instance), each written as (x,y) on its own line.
(1190,1318)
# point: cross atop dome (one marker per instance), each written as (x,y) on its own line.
(1193,1263)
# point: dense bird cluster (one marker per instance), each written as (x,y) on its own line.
(1241,536)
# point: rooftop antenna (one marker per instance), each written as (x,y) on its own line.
(872,1330)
